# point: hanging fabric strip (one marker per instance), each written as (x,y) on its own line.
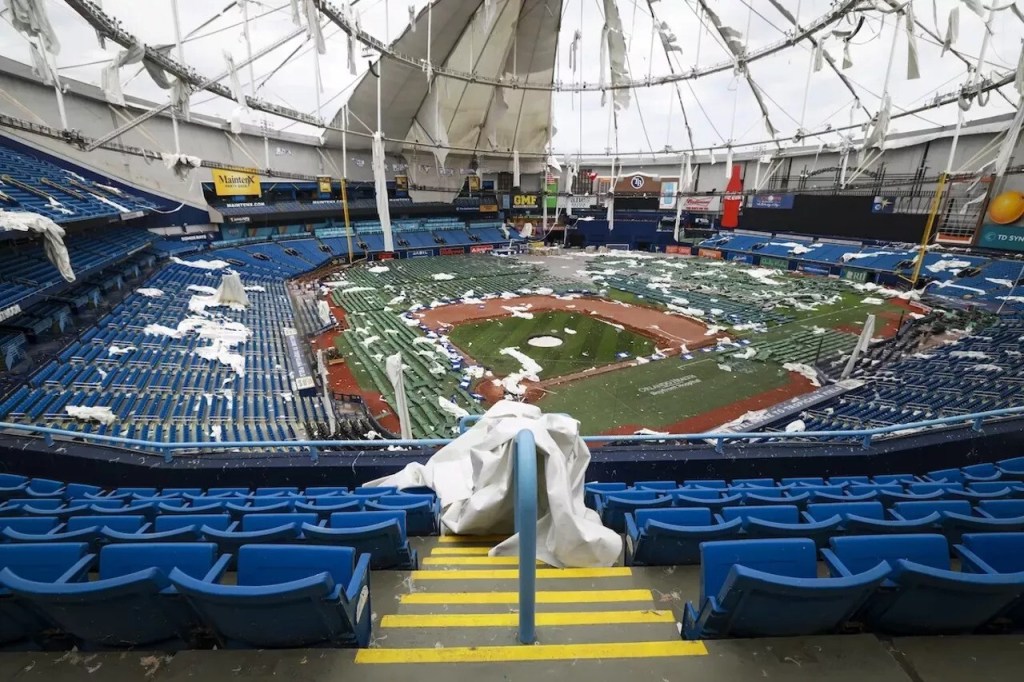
(180,94)
(295,13)
(380,182)
(913,72)
(29,17)
(110,80)
(880,128)
(157,73)
(574,46)
(728,163)
(732,37)
(1018,80)
(819,56)
(617,55)
(952,29)
(1006,150)
(610,201)
(711,152)
(313,29)
(499,107)
(668,38)
(236,83)
(603,64)
(976,7)
(685,177)
(1017,11)
(515,168)
(412,18)
(40,65)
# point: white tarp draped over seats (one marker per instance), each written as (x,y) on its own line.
(53,237)
(473,478)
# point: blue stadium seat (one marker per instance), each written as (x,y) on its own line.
(716,500)
(770,588)
(613,506)
(665,537)
(1001,509)
(326,505)
(822,511)
(259,529)
(381,534)
(55,562)
(921,595)
(132,603)
(287,597)
(995,553)
(221,522)
(421,511)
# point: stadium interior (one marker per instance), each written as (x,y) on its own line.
(512,340)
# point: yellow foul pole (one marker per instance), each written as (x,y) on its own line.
(926,236)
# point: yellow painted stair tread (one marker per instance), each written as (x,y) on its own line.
(484,620)
(471,539)
(543,597)
(473,561)
(460,551)
(513,573)
(540,652)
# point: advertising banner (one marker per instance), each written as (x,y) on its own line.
(473,183)
(779,263)
(229,183)
(1004,223)
(667,201)
(702,204)
(742,257)
(772,201)
(419,253)
(452,250)
(854,275)
(525,201)
(710,253)
(324,182)
(481,248)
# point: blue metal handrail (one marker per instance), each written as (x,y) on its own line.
(314,446)
(525,475)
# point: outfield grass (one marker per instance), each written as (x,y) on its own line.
(594,344)
(661,393)
(614,294)
(849,311)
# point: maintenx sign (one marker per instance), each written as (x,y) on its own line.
(234,183)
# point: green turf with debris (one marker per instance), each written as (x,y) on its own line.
(589,342)
(661,393)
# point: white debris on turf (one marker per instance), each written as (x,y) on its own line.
(529,370)
(713,329)
(371,435)
(689,312)
(947,263)
(612,324)
(985,367)
(1011,299)
(377,269)
(871,300)
(508,295)
(763,275)
(750,326)
(518,311)
(161,330)
(116,350)
(201,288)
(724,367)
(451,408)
(569,331)
(473,371)
(254,287)
(746,353)
(150,292)
(650,432)
(950,285)
(365,343)
(971,354)
(1001,282)
(286,396)
(641,360)
(805,370)
(543,291)
(202,264)
(93,414)
(796,426)
(818,331)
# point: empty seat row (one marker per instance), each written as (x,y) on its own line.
(174,595)
(673,536)
(897,584)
